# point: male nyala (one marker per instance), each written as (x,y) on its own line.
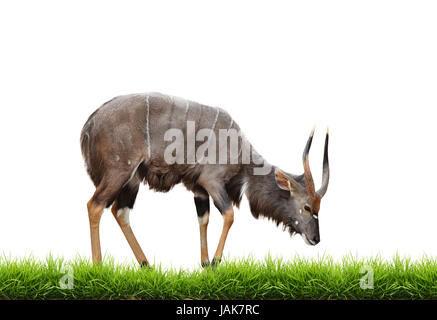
(163,140)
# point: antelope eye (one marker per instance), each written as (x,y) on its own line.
(307,208)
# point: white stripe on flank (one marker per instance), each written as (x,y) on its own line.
(133,172)
(215,121)
(213,125)
(210,134)
(147,126)
(186,110)
(88,151)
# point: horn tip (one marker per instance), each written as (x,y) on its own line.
(327,131)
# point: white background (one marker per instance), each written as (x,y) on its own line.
(368,69)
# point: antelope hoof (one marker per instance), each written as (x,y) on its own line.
(215,262)
(145,265)
(205,264)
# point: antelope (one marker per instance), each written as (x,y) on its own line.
(124,144)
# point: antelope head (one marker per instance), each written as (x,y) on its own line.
(303,207)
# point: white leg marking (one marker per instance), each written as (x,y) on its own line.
(125,213)
(203,219)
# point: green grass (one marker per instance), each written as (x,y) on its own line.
(299,278)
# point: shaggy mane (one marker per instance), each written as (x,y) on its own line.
(267,200)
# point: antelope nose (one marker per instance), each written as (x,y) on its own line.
(316,239)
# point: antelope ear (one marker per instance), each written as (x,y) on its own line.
(285,182)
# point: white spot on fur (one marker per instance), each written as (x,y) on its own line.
(296,223)
(117,158)
(129,162)
(315,217)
